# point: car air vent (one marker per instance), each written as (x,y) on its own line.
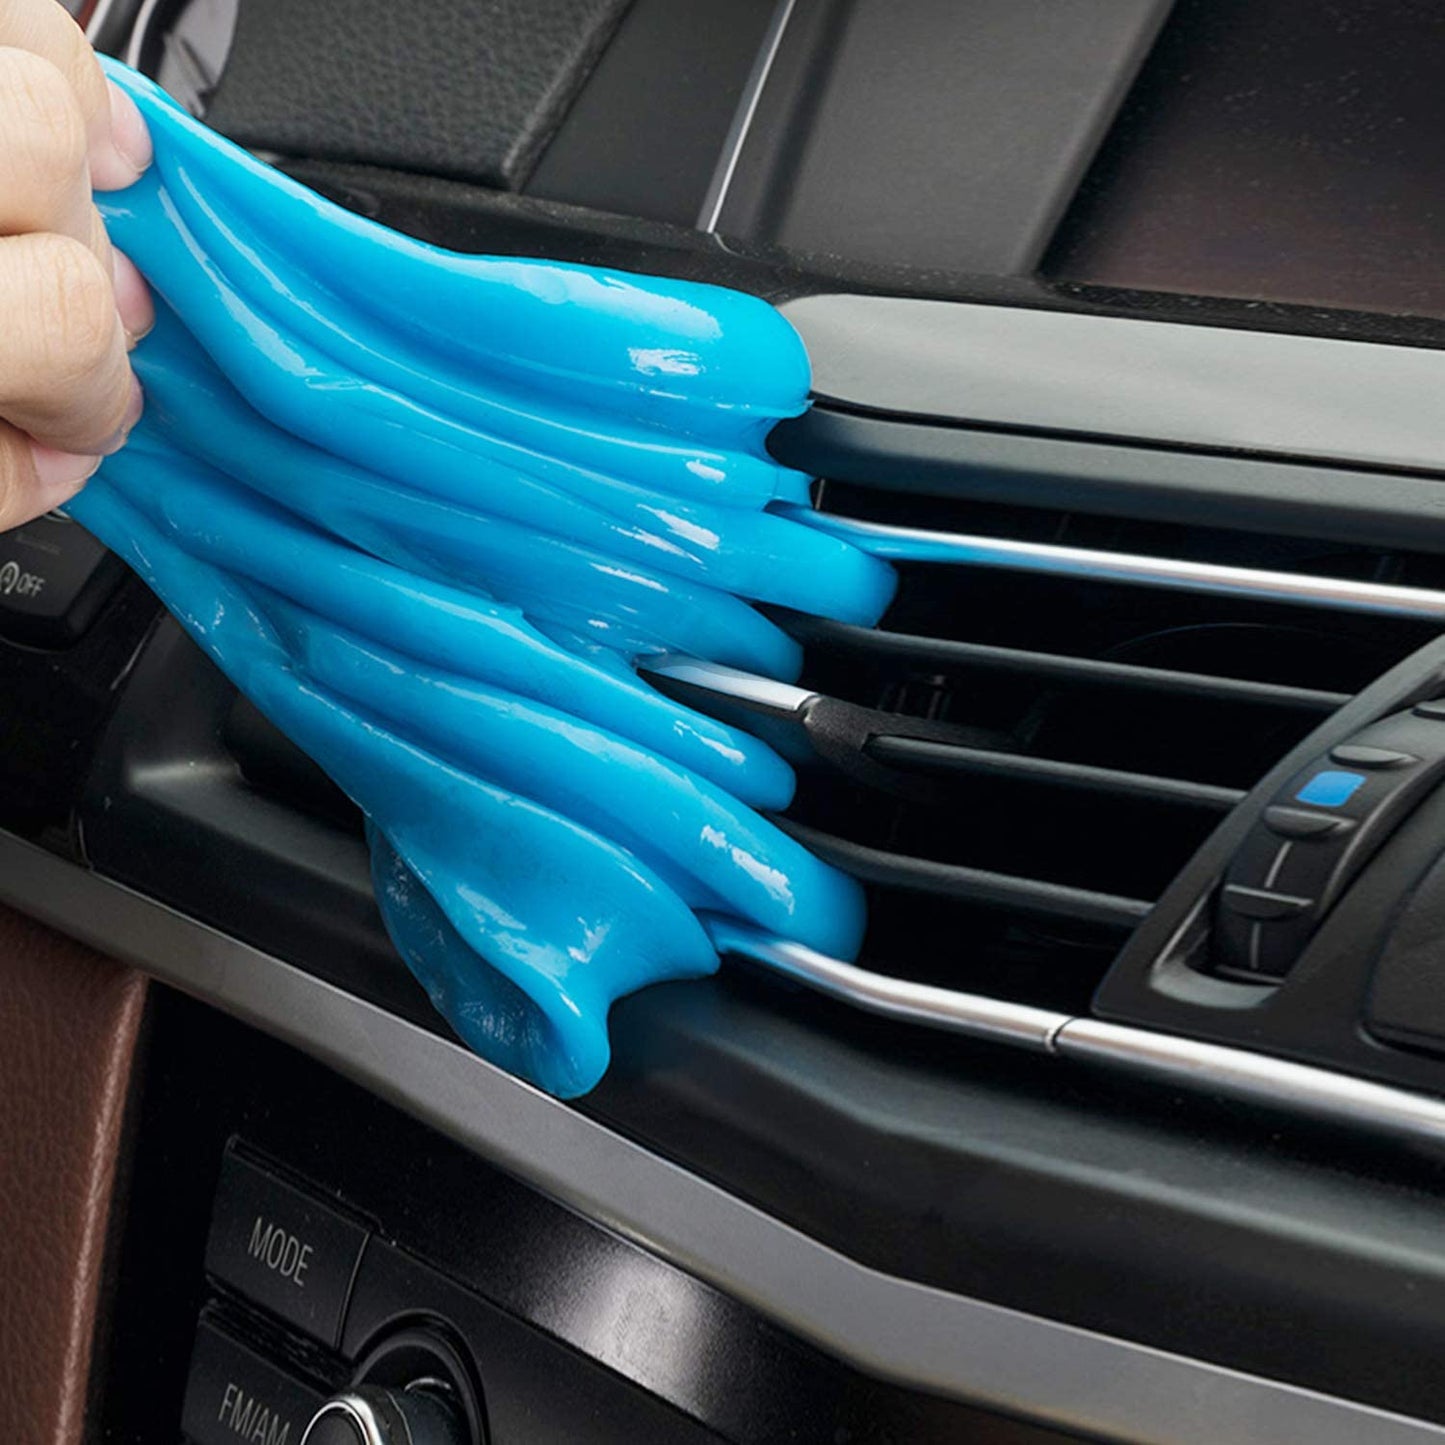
(1053,715)
(1056,711)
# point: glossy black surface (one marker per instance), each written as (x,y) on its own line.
(54,579)
(283,1248)
(571,1329)
(53,704)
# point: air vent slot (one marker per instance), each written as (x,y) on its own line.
(1055,713)
(1020,758)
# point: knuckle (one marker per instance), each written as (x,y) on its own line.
(45,131)
(75,310)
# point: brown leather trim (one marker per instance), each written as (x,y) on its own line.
(69,1021)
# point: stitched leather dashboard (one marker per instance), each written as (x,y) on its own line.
(68,1031)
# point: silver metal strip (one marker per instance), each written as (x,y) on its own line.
(1210,1068)
(907,543)
(922,1337)
(745,687)
(937,1008)
(1278,1083)
(98,18)
(742,122)
(135,46)
(110,23)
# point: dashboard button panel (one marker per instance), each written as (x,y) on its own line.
(54,579)
(1304,823)
(234,1394)
(283,1249)
(1357,755)
(1318,832)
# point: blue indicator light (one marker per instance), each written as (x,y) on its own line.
(1330,788)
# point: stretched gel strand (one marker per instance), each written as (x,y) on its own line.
(428,511)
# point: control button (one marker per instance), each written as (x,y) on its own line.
(1265,951)
(1301,823)
(1330,788)
(334,1429)
(419,1415)
(54,579)
(1260,903)
(1434,709)
(234,1393)
(1355,755)
(283,1249)
(1291,867)
(1275,946)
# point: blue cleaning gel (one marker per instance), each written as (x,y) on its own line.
(428,511)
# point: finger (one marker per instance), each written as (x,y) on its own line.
(45,183)
(132,298)
(119,145)
(64,374)
(44,167)
(45,175)
(34,479)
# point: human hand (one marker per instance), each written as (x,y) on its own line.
(71,306)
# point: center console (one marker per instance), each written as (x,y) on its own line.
(292,1239)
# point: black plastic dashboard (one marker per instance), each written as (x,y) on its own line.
(780,1217)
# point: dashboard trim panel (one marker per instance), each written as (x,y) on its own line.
(910,1333)
(1232,391)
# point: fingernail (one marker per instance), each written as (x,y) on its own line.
(132,139)
(132,298)
(129,153)
(133,409)
(61,474)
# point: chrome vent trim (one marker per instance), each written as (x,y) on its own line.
(1256,1078)
(1138,569)
(1208,1068)
(877,993)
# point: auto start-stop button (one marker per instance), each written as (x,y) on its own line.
(54,579)
(283,1249)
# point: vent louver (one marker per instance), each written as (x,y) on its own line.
(1055,712)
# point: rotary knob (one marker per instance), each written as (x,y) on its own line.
(369,1415)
